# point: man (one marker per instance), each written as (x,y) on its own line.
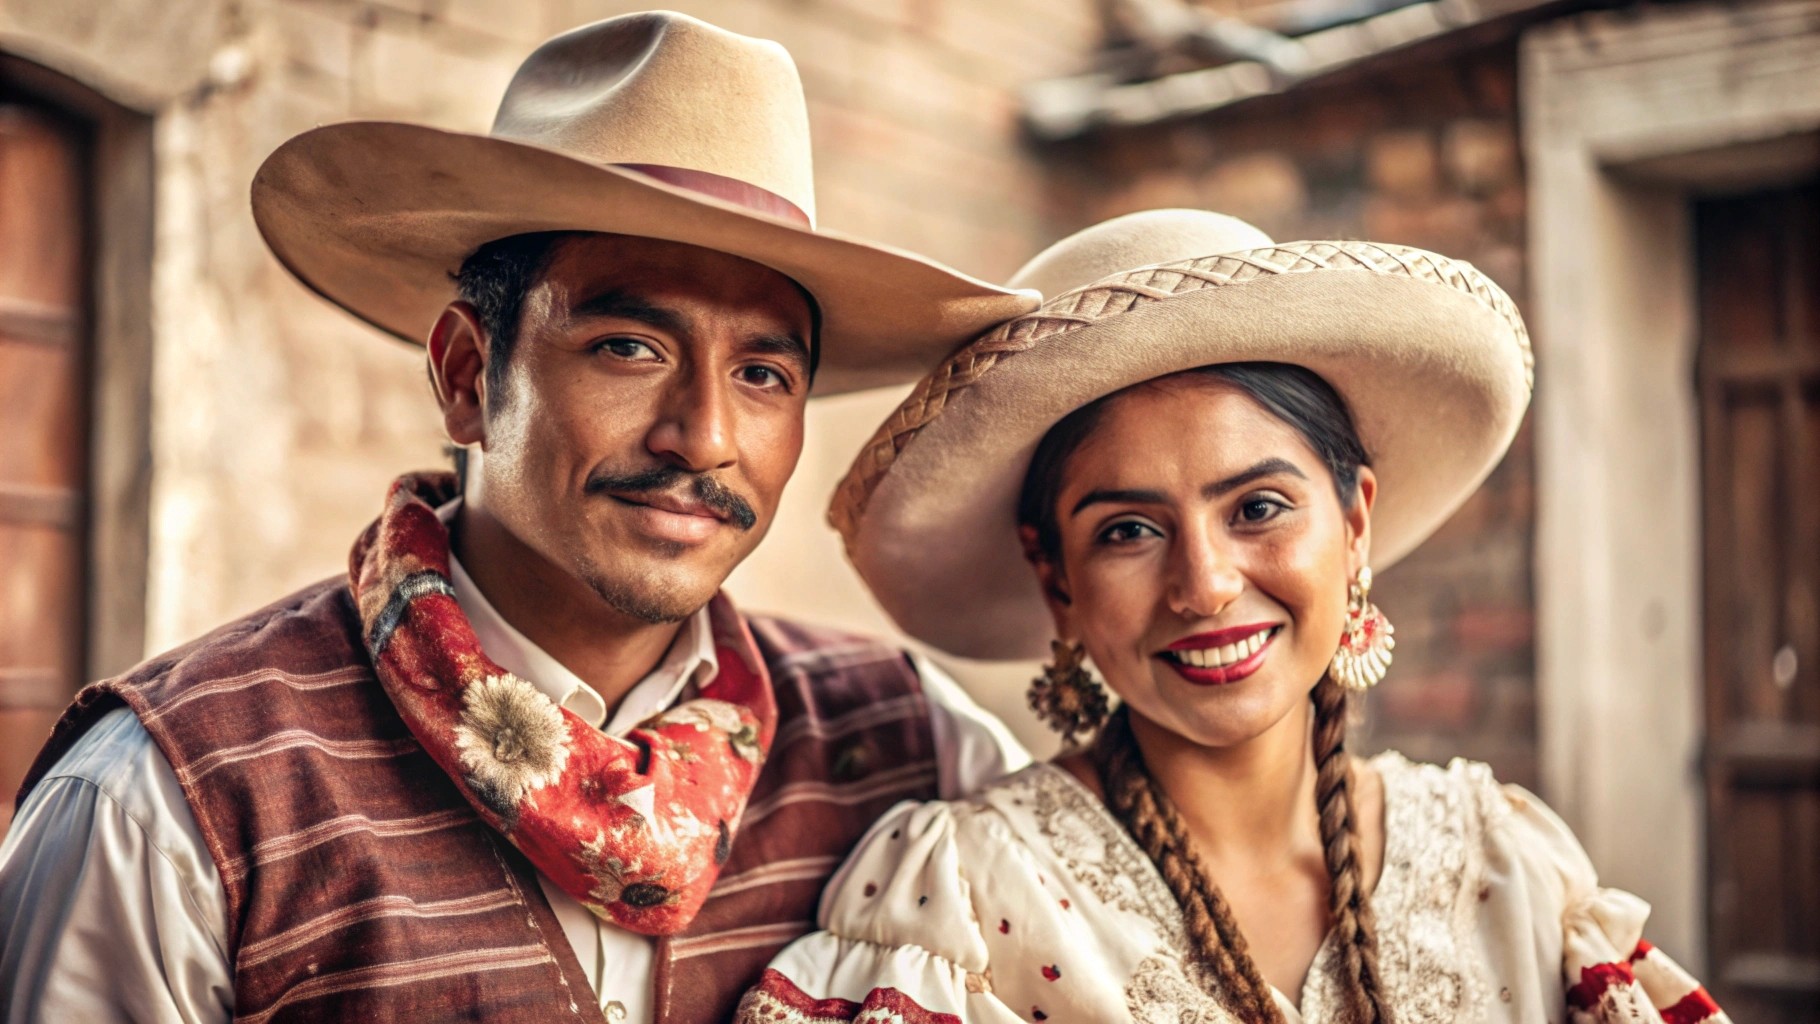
(525,762)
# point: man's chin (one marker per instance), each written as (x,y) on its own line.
(651,600)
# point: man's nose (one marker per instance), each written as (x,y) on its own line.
(695,424)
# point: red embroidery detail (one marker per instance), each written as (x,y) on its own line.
(801,1006)
(1067,905)
(1643,949)
(1595,980)
(1050,972)
(1691,1008)
(1004,926)
(871,888)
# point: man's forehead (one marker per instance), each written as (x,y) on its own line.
(593,274)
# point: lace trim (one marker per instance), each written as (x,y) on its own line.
(1427,901)
(1095,847)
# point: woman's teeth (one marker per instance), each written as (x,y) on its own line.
(1220,657)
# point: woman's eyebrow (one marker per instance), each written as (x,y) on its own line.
(1269,467)
(1118,497)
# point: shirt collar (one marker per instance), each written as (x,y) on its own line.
(691,659)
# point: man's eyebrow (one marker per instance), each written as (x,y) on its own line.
(620,305)
(1269,467)
(789,345)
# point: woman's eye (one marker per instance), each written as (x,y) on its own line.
(1126,532)
(1257,510)
(627,348)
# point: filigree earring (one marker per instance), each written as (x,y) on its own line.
(1366,642)
(1066,696)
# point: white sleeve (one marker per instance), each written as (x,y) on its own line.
(901,939)
(110,906)
(972,747)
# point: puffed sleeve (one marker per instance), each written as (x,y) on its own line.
(1609,972)
(899,939)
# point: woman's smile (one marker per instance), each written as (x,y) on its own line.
(1221,657)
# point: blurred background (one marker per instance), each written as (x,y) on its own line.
(1626,618)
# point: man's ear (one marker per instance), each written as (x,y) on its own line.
(457,353)
(1358,520)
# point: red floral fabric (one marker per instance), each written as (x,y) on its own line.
(635,828)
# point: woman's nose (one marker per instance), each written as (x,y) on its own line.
(1203,578)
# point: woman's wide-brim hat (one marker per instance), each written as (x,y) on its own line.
(652,124)
(1431,358)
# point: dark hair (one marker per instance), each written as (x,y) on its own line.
(495,280)
(1295,395)
(498,275)
(1303,400)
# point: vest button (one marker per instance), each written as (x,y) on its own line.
(853,763)
(644,895)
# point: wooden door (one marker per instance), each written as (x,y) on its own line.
(43,444)
(1759,385)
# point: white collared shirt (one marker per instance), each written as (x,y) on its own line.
(113,909)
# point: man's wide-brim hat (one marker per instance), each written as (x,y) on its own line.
(1430,357)
(651,124)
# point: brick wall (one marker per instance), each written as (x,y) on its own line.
(1423,154)
(278,420)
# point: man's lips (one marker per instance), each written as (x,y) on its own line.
(672,519)
(672,503)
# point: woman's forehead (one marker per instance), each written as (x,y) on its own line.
(1185,423)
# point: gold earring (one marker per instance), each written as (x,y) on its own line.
(1066,696)
(1366,642)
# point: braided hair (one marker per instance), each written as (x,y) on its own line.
(1306,402)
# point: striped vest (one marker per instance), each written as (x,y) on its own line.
(361,886)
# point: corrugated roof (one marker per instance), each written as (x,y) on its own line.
(1258,61)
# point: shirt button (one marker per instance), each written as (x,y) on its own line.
(853,763)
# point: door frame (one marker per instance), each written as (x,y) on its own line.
(119,336)
(1625,116)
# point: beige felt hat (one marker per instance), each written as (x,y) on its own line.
(1430,356)
(651,124)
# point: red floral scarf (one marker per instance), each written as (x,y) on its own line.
(634,828)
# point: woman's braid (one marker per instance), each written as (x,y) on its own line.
(1349,909)
(1153,821)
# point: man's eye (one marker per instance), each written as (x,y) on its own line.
(1126,532)
(770,378)
(626,348)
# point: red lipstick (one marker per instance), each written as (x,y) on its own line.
(1222,656)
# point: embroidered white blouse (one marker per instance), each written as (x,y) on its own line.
(1030,902)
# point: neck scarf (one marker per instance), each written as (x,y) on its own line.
(636,829)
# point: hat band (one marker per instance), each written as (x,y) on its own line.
(719,186)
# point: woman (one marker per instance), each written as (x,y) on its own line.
(1202,459)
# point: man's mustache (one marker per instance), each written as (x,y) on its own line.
(659,479)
